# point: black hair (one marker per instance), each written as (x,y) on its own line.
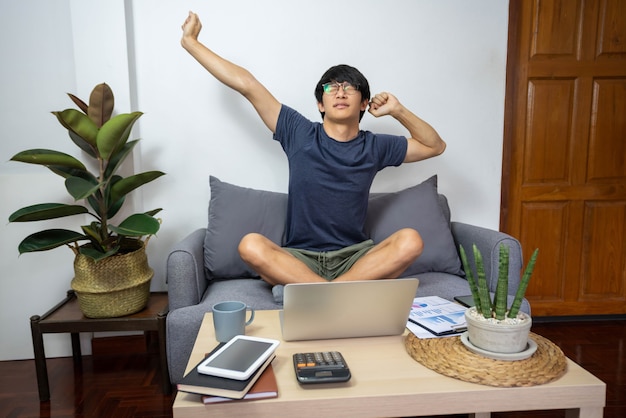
(341,73)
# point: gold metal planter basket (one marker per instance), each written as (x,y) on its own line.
(115,286)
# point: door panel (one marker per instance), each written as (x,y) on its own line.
(556,29)
(607,153)
(604,252)
(612,29)
(564,163)
(535,217)
(549,131)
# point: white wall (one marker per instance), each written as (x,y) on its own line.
(443,60)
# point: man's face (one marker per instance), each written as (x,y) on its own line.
(341,102)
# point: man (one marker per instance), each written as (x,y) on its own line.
(332,166)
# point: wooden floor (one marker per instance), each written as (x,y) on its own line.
(121,379)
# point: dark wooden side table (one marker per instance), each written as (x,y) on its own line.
(67,317)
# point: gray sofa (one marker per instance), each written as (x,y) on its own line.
(205,268)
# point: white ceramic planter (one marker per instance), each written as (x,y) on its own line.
(498,337)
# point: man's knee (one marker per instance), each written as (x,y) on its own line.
(251,247)
(409,243)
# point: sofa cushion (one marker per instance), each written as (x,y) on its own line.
(235,211)
(417,207)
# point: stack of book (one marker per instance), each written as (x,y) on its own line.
(260,385)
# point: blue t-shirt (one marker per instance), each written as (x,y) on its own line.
(329,181)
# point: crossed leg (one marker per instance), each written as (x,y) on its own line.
(386,260)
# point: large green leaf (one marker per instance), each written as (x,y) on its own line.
(80,188)
(101,103)
(48,239)
(128,184)
(115,207)
(84,145)
(118,158)
(67,172)
(137,225)
(44,211)
(79,123)
(48,157)
(114,133)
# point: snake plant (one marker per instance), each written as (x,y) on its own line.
(496,308)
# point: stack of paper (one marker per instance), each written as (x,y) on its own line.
(436,317)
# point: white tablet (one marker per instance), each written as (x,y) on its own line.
(239,358)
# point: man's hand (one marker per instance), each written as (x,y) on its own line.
(191,28)
(383,104)
(424,141)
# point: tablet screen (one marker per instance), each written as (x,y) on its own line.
(240,355)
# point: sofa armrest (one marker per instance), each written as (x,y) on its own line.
(488,242)
(185,271)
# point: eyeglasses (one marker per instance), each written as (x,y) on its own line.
(333,87)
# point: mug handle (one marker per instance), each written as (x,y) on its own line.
(251,316)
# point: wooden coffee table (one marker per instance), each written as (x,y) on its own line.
(386,381)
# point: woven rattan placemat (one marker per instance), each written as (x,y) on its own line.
(451,358)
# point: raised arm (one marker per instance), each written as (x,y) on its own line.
(230,74)
(424,142)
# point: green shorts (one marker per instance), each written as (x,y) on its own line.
(332,264)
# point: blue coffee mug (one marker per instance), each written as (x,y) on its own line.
(229,319)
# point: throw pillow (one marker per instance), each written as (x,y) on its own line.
(416,207)
(235,211)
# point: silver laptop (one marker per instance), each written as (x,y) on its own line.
(315,311)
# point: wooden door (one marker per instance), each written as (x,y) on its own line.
(564,167)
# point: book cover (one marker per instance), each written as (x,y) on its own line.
(265,387)
(204,384)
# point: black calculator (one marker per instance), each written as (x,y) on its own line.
(321,367)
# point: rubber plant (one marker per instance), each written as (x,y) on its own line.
(496,308)
(103,138)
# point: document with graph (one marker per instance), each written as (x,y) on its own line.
(438,315)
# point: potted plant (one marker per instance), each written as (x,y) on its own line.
(491,325)
(112,276)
